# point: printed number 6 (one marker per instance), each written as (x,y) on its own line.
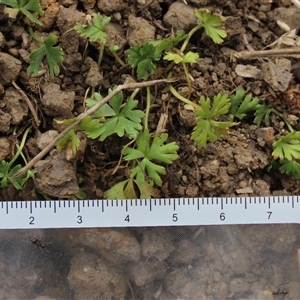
(222,216)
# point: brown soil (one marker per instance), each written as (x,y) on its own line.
(229,262)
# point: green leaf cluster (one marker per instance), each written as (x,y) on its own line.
(113,118)
(8,170)
(150,150)
(54,55)
(26,7)
(142,58)
(208,129)
(287,147)
(94,31)
(7,173)
(131,189)
(168,43)
(242,104)
(287,150)
(290,167)
(189,58)
(212,25)
(118,117)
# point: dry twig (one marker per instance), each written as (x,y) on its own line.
(85,114)
(28,102)
(282,52)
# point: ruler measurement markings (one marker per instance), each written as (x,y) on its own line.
(282,209)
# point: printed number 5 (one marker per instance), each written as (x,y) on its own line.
(175,218)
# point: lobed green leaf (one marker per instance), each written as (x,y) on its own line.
(212,25)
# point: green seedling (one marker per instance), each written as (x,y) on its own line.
(54,55)
(7,170)
(287,151)
(150,149)
(143,57)
(114,117)
(242,104)
(131,189)
(208,128)
(212,24)
(25,7)
(120,118)
(95,32)
(184,59)
(287,147)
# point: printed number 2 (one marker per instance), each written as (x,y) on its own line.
(31,220)
(127,219)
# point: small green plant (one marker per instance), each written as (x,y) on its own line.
(188,58)
(25,7)
(287,150)
(94,31)
(242,104)
(209,129)
(7,170)
(54,55)
(144,160)
(150,149)
(143,57)
(212,25)
(113,118)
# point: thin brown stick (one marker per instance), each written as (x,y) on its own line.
(26,99)
(85,114)
(285,52)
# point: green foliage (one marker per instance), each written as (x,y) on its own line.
(189,57)
(208,129)
(241,105)
(150,149)
(263,114)
(70,137)
(25,7)
(120,118)
(287,147)
(131,189)
(212,25)
(113,118)
(290,167)
(169,43)
(94,32)
(142,57)
(54,55)
(7,170)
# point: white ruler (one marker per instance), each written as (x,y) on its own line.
(148,212)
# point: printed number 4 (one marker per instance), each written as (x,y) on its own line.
(127,219)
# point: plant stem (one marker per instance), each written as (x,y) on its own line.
(183,99)
(283,118)
(147,108)
(101,50)
(190,34)
(186,72)
(118,59)
(20,148)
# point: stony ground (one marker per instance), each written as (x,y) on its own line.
(229,262)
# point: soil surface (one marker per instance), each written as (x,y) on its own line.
(232,262)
